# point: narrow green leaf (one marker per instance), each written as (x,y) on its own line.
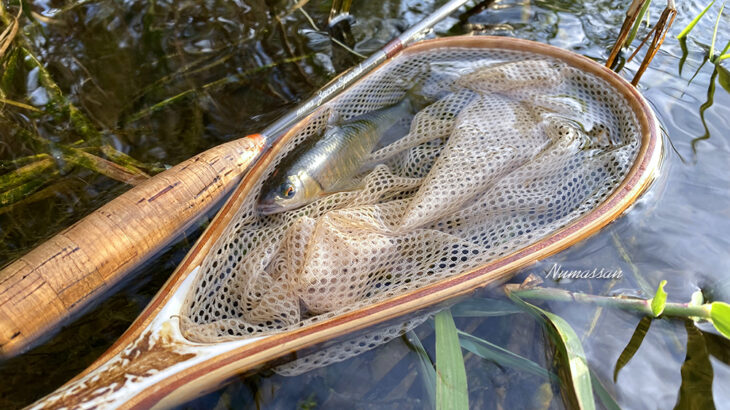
(659,300)
(723,77)
(724,56)
(637,24)
(720,315)
(428,373)
(633,346)
(570,346)
(579,371)
(606,399)
(714,33)
(694,21)
(503,357)
(451,388)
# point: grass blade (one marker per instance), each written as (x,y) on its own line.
(637,24)
(694,21)
(606,399)
(503,357)
(714,33)
(451,388)
(568,342)
(428,373)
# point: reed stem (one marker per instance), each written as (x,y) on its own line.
(641,306)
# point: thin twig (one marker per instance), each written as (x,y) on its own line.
(336,41)
(662,28)
(631,15)
(343,45)
(8,35)
(298,6)
(19,105)
(309,18)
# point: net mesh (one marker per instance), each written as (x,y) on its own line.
(512,147)
(351,346)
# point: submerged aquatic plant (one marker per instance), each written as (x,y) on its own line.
(451,388)
(577,380)
(717,313)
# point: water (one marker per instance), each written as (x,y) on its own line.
(115,60)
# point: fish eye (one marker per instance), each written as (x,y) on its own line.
(288,190)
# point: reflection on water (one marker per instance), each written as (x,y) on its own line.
(164,80)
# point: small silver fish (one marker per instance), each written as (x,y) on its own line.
(331,162)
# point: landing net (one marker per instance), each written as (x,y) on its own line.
(513,147)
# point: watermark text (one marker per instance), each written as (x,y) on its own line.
(557,272)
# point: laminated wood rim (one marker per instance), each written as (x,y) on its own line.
(266,348)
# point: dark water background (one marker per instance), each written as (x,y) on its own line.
(163,80)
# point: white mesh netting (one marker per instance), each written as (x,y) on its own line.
(351,346)
(513,147)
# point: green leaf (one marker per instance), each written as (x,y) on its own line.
(694,21)
(606,399)
(714,33)
(659,300)
(428,373)
(451,387)
(580,375)
(633,346)
(723,76)
(720,315)
(568,342)
(503,357)
(637,24)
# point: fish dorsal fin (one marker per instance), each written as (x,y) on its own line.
(334,119)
